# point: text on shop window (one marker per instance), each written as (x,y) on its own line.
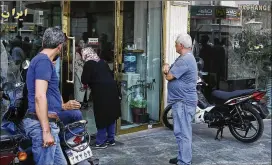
(7,14)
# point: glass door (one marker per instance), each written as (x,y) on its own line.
(88,23)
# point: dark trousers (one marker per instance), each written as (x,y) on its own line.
(105,134)
(70,116)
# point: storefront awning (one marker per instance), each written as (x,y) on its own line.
(42,5)
(217,28)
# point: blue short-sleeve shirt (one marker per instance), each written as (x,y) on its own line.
(41,68)
(183,86)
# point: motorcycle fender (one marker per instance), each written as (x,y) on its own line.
(261,109)
(6,158)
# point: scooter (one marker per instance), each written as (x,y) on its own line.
(231,109)
(15,146)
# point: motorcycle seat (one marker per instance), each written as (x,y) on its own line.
(223,95)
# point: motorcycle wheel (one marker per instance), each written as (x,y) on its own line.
(257,119)
(168,118)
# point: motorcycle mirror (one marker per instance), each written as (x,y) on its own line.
(25,64)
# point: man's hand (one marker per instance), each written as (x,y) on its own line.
(165,68)
(71,104)
(48,139)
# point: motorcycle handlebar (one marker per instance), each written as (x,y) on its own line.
(202,84)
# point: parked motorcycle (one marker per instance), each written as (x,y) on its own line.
(16,147)
(232,109)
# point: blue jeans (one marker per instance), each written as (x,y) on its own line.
(50,156)
(182,118)
(70,116)
(105,134)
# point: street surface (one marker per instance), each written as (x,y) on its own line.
(157,146)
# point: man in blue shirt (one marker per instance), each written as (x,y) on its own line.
(44,101)
(182,94)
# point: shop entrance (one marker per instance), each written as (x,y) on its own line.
(128,36)
(86,23)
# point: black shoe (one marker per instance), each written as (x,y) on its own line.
(173,161)
(101,146)
(111,143)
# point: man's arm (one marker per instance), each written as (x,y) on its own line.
(165,70)
(177,70)
(41,104)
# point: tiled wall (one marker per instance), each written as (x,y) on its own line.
(78,26)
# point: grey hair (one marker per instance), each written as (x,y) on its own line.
(184,39)
(53,37)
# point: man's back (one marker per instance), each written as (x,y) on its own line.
(42,68)
(183,87)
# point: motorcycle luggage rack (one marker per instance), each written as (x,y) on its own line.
(69,127)
(9,142)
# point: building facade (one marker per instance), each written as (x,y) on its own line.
(138,37)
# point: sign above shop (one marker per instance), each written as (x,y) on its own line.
(12,27)
(201,11)
(255,7)
(213,12)
(6,14)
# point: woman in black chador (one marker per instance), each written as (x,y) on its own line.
(106,103)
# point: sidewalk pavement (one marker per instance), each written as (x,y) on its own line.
(157,146)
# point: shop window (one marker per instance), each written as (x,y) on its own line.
(236,50)
(141,77)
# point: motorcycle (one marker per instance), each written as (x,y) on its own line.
(236,110)
(16,147)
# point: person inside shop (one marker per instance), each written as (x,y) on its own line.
(105,48)
(27,46)
(17,57)
(82,44)
(206,54)
(106,100)
(218,64)
(17,52)
(80,93)
(85,38)
(3,62)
